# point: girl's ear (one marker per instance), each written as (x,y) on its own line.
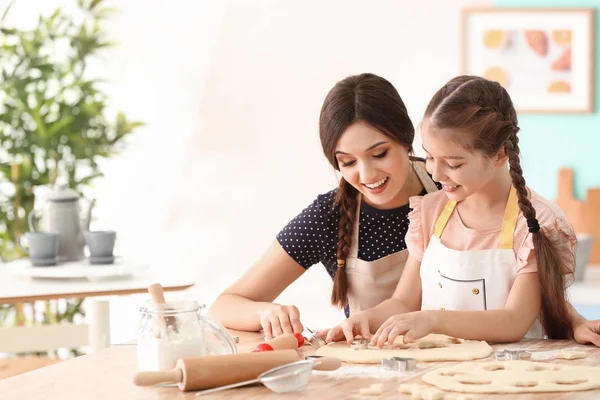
(500,158)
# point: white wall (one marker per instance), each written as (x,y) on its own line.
(255,160)
(231,92)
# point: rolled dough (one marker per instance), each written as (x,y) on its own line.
(514,377)
(570,354)
(432,347)
(426,392)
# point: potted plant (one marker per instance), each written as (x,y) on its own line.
(55,119)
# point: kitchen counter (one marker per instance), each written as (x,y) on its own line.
(107,374)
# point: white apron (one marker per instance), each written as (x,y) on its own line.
(472,280)
(371,282)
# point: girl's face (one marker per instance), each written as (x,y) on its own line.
(461,172)
(375,164)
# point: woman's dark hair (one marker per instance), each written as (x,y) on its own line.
(479,115)
(372,100)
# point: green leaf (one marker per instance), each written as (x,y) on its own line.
(39,121)
(95,3)
(88,179)
(6,10)
(57,127)
(106,12)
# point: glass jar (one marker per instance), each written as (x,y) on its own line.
(173,330)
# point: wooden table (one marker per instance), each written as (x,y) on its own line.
(107,374)
(96,332)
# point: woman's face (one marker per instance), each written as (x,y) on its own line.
(377,166)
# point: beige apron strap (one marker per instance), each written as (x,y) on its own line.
(355,230)
(511,214)
(426,181)
(442,220)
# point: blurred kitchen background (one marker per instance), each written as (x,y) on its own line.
(230,94)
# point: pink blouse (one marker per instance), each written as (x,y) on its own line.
(425,211)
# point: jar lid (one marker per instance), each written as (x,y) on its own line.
(171,307)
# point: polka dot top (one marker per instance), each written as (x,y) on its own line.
(312,236)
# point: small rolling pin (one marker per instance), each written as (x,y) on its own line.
(283,342)
(157,294)
(197,373)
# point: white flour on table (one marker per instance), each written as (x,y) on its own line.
(370,371)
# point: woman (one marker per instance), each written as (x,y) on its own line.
(356,230)
(353,230)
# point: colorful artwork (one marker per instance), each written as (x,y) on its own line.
(544,58)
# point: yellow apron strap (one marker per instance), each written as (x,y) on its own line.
(442,220)
(511,214)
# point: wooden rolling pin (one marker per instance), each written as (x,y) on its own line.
(157,294)
(197,373)
(283,342)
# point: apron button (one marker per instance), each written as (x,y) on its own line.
(475,291)
(440,284)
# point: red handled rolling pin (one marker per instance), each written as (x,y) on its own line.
(285,341)
(197,373)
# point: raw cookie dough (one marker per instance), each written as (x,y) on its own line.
(426,392)
(432,347)
(514,377)
(376,389)
(570,354)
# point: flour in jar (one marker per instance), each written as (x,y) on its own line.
(161,353)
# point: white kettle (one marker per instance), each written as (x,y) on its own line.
(61,214)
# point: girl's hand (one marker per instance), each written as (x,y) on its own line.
(588,332)
(356,325)
(413,326)
(277,320)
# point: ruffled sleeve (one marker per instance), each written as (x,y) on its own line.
(561,234)
(414,236)
(526,258)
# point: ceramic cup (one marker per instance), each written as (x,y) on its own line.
(101,245)
(42,247)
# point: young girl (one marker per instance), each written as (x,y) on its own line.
(489,257)
(356,230)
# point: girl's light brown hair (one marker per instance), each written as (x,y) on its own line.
(479,114)
(373,100)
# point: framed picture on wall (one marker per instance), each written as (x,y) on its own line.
(543,57)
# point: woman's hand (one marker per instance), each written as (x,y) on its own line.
(277,320)
(356,325)
(413,325)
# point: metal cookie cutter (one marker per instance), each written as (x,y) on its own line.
(360,344)
(505,354)
(315,340)
(399,363)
